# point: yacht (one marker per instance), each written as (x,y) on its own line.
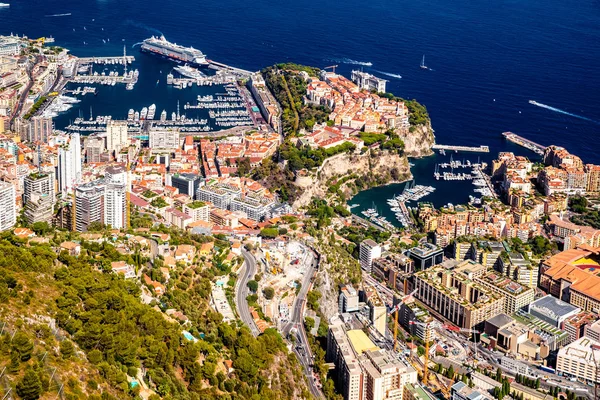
(151,111)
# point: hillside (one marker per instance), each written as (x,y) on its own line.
(72,325)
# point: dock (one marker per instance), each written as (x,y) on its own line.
(224,67)
(106,60)
(474,149)
(523,142)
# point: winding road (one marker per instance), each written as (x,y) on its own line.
(247,270)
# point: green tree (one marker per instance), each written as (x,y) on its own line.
(269,233)
(243,166)
(269,292)
(22,345)
(309,323)
(67,350)
(253,285)
(30,387)
(450,372)
(41,228)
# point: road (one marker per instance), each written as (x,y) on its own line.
(25,94)
(247,270)
(302,348)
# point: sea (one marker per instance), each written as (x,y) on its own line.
(486,61)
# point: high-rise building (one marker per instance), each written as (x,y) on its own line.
(41,183)
(452,290)
(40,129)
(115,205)
(186,183)
(377,310)
(369,250)
(89,204)
(69,164)
(348,301)
(115,197)
(8,208)
(116,136)
(94,148)
(384,375)
(164,139)
(425,255)
(39,208)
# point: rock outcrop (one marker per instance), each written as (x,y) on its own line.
(418,141)
(369,164)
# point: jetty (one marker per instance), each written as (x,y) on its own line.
(224,67)
(523,142)
(474,149)
(124,59)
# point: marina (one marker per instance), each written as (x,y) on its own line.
(397,204)
(523,142)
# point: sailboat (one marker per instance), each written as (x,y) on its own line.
(423,66)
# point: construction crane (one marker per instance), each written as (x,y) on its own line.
(426,363)
(332,67)
(404,300)
(396,309)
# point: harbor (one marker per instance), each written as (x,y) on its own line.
(467,191)
(523,142)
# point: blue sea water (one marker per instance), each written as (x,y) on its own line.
(487,59)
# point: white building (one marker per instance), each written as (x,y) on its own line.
(115,205)
(348,301)
(164,139)
(369,250)
(198,210)
(115,197)
(8,208)
(369,82)
(69,164)
(10,45)
(580,359)
(116,136)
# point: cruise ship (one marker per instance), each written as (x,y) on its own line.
(163,48)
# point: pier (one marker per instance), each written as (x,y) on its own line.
(521,141)
(107,60)
(474,149)
(224,67)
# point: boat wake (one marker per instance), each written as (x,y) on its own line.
(143,26)
(390,74)
(558,110)
(135,44)
(59,15)
(352,62)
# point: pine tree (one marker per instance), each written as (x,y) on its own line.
(499,375)
(30,387)
(450,372)
(66,349)
(22,345)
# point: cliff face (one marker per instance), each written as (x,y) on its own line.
(368,165)
(418,142)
